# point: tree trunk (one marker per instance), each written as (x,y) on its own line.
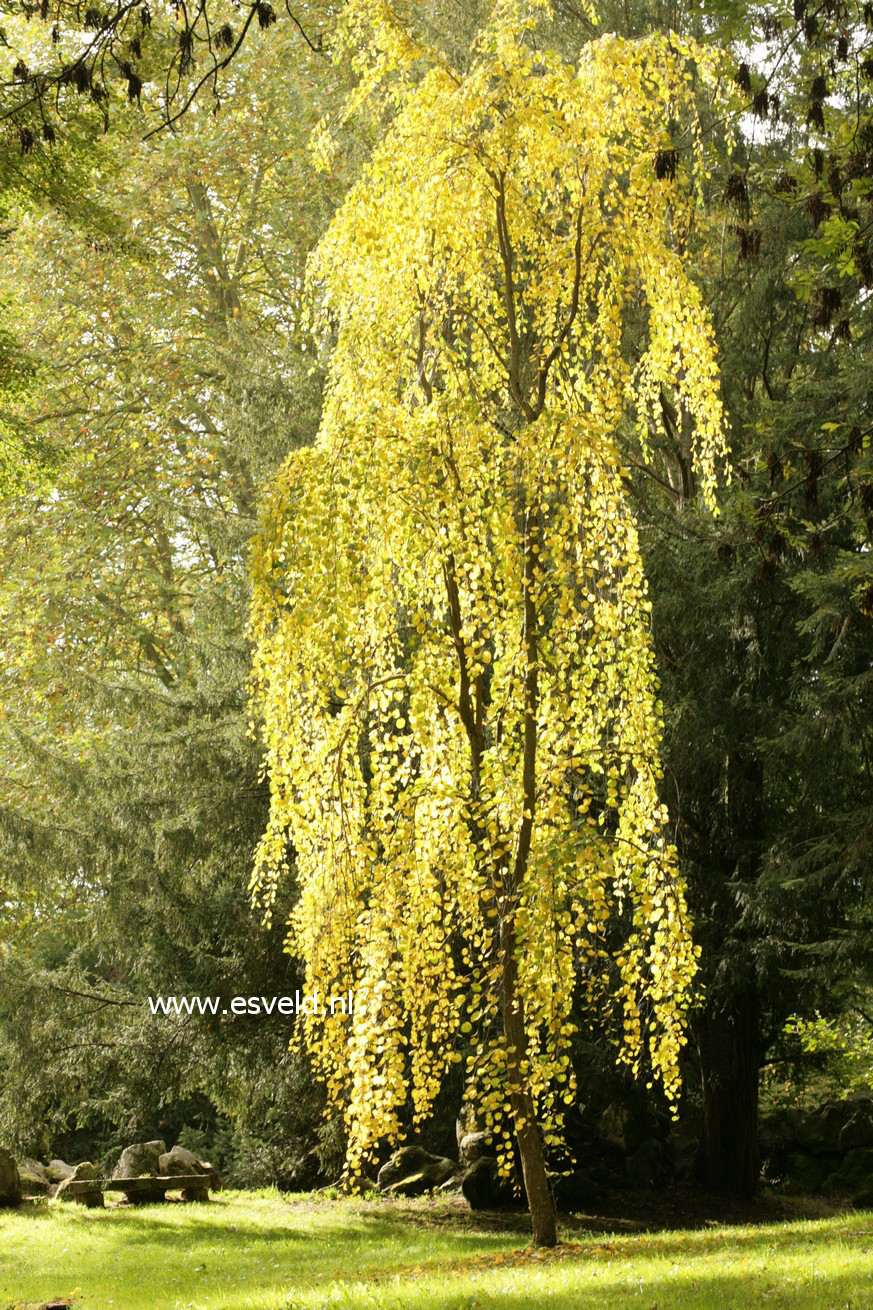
(729,1043)
(527,1130)
(544,1223)
(471,708)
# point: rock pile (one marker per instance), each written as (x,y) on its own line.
(413,1171)
(31,1179)
(828,1151)
(152,1159)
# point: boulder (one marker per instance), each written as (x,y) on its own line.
(414,1164)
(819,1132)
(428,1179)
(473,1146)
(140,1160)
(854,1177)
(576,1190)
(175,1162)
(806,1172)
(485,1188)
(624,1127)
(34,1180)
(56,1171)
(648,1165)
(83,1172)
(10,1182)
(829,1149)
(857,1132)
(181,1161)
(469,1120)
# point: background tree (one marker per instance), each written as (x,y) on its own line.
(63,63)
(158,323)
(762,752)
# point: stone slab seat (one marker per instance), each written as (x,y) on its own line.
(195,1185)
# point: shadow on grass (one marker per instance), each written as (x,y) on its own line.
(701,1242)
(358,1224)
(363,1253)
(622,1214)
(619,1212)
(345,1226)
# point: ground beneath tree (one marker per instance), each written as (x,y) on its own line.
(265,1251)
(622,1211)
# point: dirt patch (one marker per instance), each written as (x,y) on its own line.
(617,1212)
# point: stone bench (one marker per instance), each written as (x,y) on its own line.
(89,1191)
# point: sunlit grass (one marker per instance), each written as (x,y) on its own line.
(273,1253)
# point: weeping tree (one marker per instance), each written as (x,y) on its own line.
(453,668)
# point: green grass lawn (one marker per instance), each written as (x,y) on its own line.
(276,1253)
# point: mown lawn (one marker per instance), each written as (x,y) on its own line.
(271,1252)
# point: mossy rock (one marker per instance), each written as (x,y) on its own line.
(426,1180)
(485,1188)
(34,1180)
(410,1161)
(141,1160)
(821,1132)
(10,1181)
(854,1177)
(57,1170)
(807,1172)
(85,1171)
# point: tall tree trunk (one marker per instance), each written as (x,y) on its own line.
(728,1032)
(527,1130)
(472,695)
(544,1223)
(729,1043)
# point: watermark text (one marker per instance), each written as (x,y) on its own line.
(300,1003)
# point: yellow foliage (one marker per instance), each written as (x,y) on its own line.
(451,627)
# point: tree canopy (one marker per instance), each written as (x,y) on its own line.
(451,622)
